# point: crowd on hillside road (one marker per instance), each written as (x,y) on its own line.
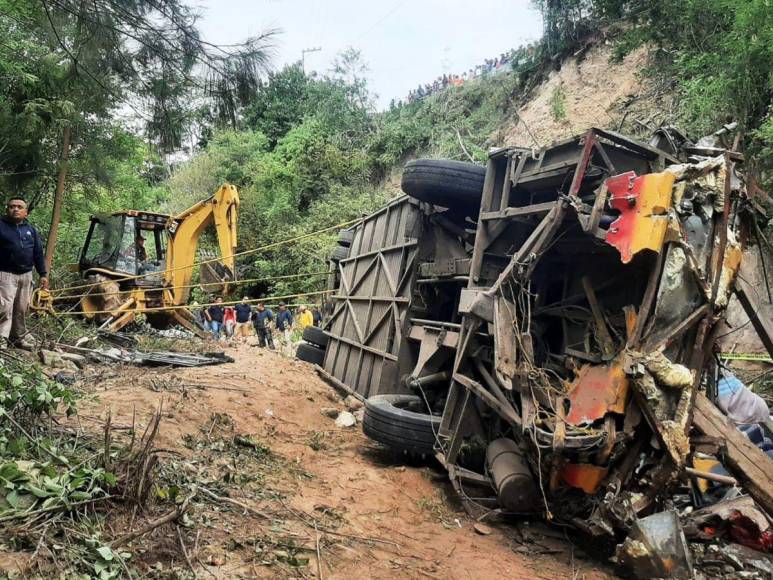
(240,321)
(490,66)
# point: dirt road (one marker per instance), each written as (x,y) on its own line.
(320,489)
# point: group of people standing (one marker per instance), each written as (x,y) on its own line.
(489,66)
(240,320)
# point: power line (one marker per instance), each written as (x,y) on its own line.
(213,260)
(391,11)
(235,282)
(262,300)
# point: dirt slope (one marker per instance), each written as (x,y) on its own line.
(589,91)
(420,530)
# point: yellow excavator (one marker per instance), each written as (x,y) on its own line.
(141,262)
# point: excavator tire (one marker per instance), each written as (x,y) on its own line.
(310,353)
(451,184)
(401,423)
(316,336)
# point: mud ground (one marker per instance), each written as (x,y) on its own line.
(325,490)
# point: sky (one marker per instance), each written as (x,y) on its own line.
(404,42)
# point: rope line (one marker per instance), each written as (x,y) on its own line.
(236,282)
(235,255)
(190,307)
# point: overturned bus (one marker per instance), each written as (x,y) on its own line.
(544,325)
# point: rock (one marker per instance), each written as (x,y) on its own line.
(80,361)
(216,560)
(353,403)
(331,412)
(51,358)
(346,419)
(482,529)
(65,378)
(359,414)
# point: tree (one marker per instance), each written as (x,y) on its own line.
(282,103)
(145,57)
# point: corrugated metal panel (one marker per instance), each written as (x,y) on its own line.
(381,250)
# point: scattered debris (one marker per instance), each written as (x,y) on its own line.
(353,403)
(53,359)
(566,340)
(656,548)
(135,357)
(345,419)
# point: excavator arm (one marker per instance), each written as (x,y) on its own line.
(185,229)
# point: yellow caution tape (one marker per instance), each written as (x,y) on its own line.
(746,356)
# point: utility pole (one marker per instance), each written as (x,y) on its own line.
(303,56)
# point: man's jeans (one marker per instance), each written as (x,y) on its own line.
(265,337)
(15,293)
(215,327)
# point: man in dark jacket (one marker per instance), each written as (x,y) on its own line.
(243,314)
(317,315)
(21,250)
(262,319)
(215,315)
(284,324)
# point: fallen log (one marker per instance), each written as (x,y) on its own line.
(751,467)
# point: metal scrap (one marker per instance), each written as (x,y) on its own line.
(656,548)
(583,326)
(157,358)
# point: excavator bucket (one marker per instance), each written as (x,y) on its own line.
(214,275)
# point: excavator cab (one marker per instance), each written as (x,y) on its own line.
(126,244)
(139,262)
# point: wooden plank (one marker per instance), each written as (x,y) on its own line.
(336,383)
(598,208)
(674,331)
(648,300)
(743,458)
(603,336)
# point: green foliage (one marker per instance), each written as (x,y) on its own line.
(281,105)
(446,124)
(31,485)
(558,104)
(118,172)
(720,53)
(26,396)
(42,477)
(301,164)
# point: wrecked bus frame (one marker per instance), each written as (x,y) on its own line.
(557,334)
